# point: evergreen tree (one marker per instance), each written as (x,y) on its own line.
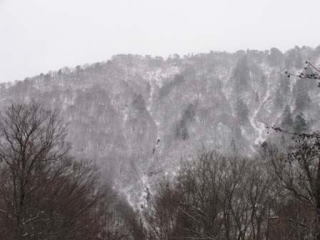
(302,98)
(241,75)
(275,57)
(284,84)
(279,99)
(242,111)
(300,125)
(287,121)
(302,101)
(294,58)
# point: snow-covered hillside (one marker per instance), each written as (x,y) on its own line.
(138,116)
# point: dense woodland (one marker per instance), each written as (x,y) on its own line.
(48,191)
(141,114)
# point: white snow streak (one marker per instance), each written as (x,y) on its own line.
(258,125)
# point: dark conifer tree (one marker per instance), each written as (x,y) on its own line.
(300,125)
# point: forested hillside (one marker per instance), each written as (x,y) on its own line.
(138,116)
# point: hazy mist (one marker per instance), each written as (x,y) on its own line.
(42,35)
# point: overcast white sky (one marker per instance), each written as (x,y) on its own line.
(41,35)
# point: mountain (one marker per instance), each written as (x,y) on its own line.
(138,116)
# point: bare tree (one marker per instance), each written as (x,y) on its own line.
(214,197)
(298,171)
(162,212)
(310,72)
(44,193)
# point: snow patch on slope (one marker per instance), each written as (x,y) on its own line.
(258,125)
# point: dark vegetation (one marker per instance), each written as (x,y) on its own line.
(44,192)
(47,194)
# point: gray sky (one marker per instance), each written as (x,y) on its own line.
(41,35)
